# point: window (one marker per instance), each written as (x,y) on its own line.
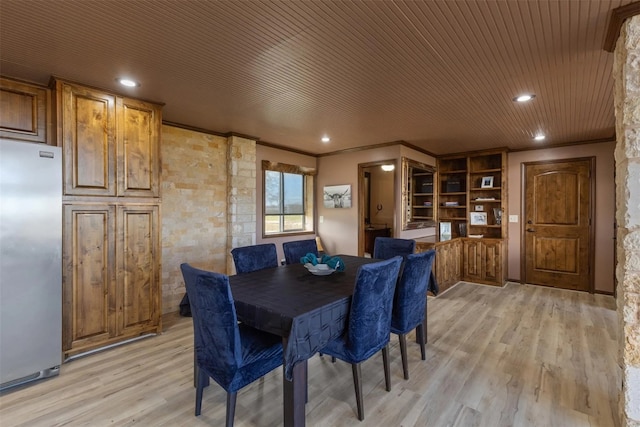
(288,199)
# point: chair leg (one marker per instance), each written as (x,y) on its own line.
(387,371)
(422,340)
(231,408)
(201,382)
(357,382)
(403,353)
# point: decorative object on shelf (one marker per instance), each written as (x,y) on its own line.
(337,196)
(462,229)
(487,182)
(484,199)
(453,186)
(450,204)
(478,208)
(478,218)
(445,231)
(497,213)
(476,236)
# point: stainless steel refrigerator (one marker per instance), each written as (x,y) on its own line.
(30,262)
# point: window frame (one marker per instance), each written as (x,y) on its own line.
(308,194)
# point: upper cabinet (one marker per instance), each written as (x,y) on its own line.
(111,144)
(419,195)
(25,112)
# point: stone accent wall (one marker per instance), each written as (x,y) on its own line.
(627,97)
(194,207)
(241,190)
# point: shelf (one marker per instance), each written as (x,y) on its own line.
(423,207)
(459,193)
(485,188)
(454,207)
(423,194)
(485,171)
(486,201)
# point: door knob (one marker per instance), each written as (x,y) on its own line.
(530,230)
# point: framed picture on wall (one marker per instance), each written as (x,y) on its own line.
(337,196)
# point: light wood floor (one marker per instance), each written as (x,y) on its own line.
(516,356)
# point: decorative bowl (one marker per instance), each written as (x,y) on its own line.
(319,269)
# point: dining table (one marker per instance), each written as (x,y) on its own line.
(306,310)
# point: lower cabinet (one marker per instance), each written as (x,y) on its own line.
(482,261)
(111,274)
(469,259)
(447,265)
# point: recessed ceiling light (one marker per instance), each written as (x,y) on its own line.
(326,139)
(127,82)
(524,97)
(539,137)
(388,168)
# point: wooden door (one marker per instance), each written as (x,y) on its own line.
(558,224)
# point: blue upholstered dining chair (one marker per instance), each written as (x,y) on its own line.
(369,322)
(410,301)
(254,258)
(388,247)
(296,249)
(231,353)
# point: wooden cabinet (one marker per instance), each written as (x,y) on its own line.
(370,235)
(111,247)
(111,275)
(25,112)
(447,265)
(482,261)
(111,143)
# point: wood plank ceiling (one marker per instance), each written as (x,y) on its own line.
(440,75)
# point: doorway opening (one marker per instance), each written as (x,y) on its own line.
(377,203)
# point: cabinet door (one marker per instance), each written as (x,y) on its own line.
(447,264)
(88,276)
(138,269)
(138,148)
(492,257)
(87,126)
(25,112)
(472,260)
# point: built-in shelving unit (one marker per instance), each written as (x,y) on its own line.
(452,193)
(419,195)
(486,189)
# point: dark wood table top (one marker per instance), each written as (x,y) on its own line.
(306,310)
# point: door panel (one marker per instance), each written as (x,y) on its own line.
(558,229)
